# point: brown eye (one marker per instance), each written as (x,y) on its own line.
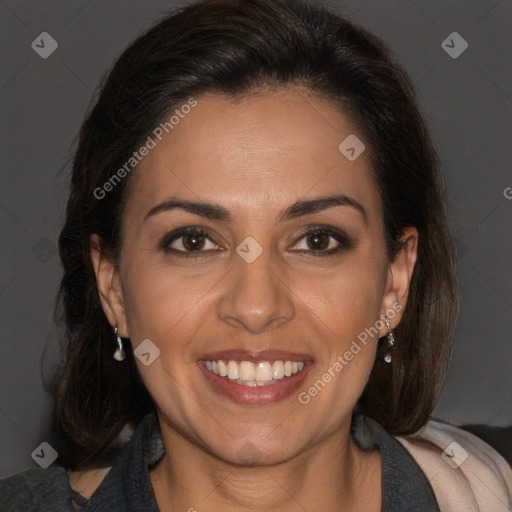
(323,241)
(188,241)
(193,242)
(318,241)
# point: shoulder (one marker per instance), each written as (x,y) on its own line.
(464,471)
(36,489)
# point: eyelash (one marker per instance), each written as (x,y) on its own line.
(343,240)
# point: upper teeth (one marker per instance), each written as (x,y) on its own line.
(247,372)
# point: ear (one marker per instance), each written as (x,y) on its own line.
(108,283)
(399,278)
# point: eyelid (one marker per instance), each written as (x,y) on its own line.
(178,233)
(344,241)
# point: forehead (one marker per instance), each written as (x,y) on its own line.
(266,150)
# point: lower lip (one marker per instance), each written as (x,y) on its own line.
(255,395)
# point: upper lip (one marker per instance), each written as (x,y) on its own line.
(255,356)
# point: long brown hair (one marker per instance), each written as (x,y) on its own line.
(236,47)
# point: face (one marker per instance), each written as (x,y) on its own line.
(275,262)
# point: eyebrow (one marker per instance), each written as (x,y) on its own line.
(216,212)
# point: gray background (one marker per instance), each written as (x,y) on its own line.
(467,102)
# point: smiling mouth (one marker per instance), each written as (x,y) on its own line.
(248,373)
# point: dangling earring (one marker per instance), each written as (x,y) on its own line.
(391,341)
(119,353)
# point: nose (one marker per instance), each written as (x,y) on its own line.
(256,297)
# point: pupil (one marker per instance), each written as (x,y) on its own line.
(321,241)
(193,242)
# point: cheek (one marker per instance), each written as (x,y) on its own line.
(344,309)
(167,309)
(165,306)
(348,300)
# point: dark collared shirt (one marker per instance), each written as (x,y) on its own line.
(127,486)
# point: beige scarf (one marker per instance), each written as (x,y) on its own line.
(466,474)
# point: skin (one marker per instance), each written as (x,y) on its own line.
(255,157)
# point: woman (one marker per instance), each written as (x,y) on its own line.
(258,279)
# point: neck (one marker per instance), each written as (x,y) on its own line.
(331,475)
